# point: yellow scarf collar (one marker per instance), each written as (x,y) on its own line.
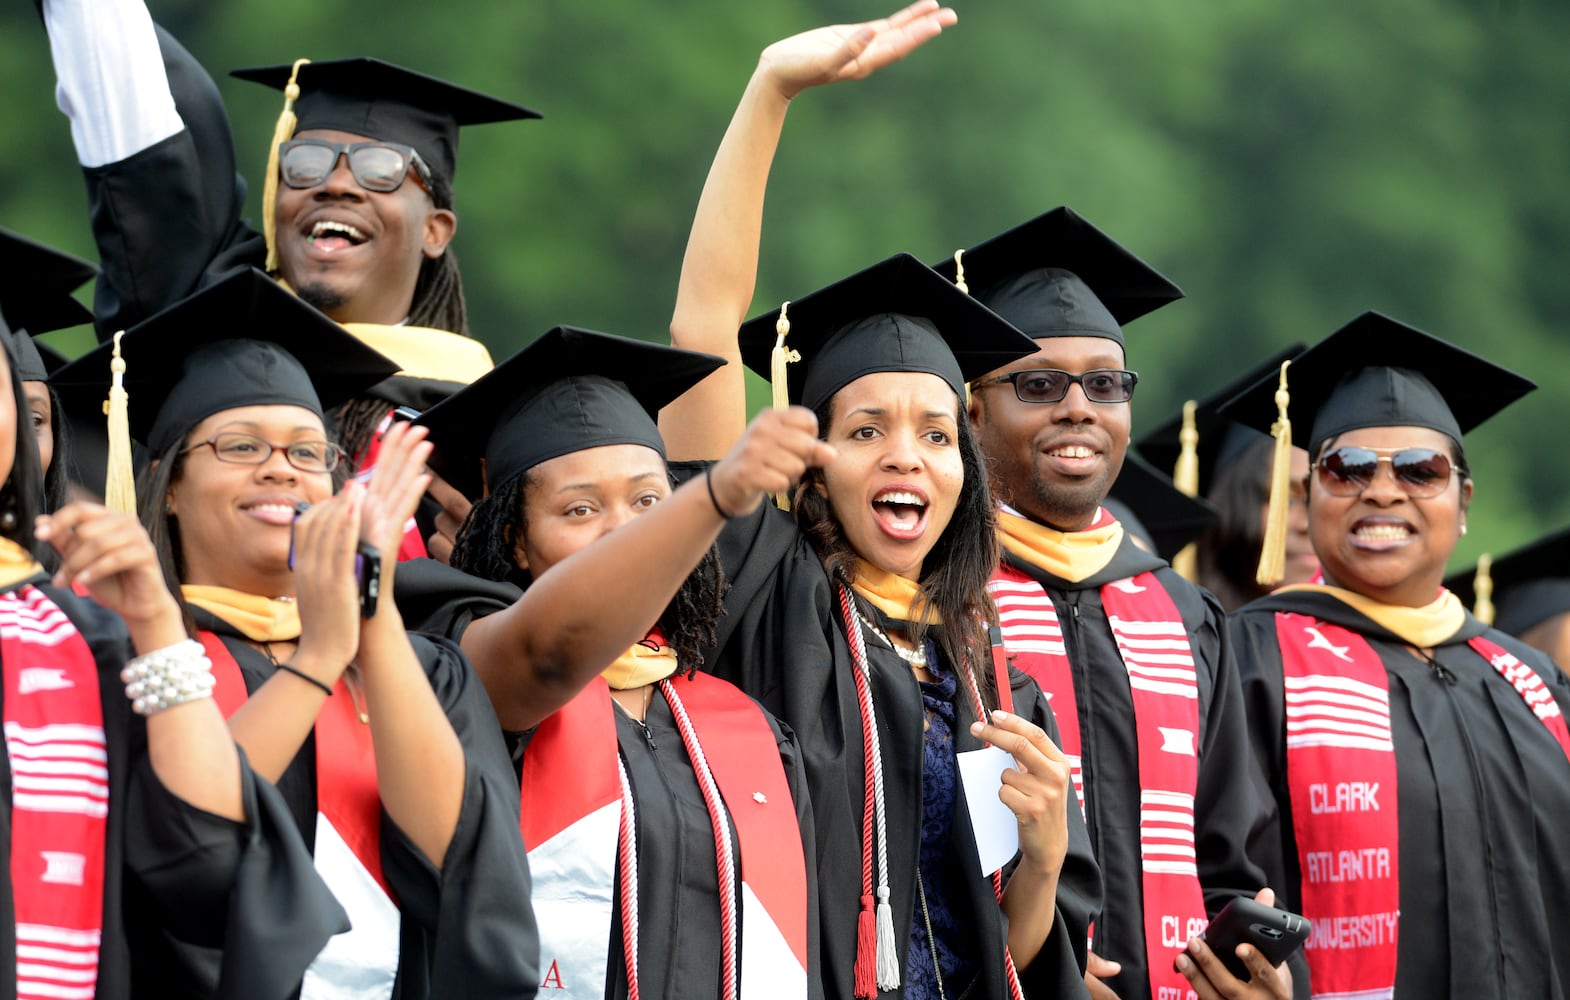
(891,594)
(260,619)
(16,564)
(1067,555)
(1424,627)
(425,352)
(645,662)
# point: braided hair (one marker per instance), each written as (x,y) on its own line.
(489,536)
(438,291)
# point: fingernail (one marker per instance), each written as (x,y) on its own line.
(998,713)
(976,727)
(1181,963)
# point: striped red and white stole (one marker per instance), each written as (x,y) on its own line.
(1342,778)
(54,734)
(1153,643)
(579,823)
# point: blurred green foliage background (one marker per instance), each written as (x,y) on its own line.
(1289,165)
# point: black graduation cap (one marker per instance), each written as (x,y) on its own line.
(1530,585)
(381,101)
(570,390)
(1164,515)
(1221,440)
(1380,372)
(242,341)
(1059,276)
(36,283)
(897,315)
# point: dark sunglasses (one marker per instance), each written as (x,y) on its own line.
(1421,472)
(1048,385)
(376,166)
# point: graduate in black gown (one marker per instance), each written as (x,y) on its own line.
(383,743)
(1135,657)
(357,201)
(36,283)
(696,895)
(1419,756)
(120,827)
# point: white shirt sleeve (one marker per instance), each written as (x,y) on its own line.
(110,75)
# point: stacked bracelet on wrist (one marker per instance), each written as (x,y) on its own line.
(168,677)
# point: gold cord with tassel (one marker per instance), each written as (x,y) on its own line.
(1185,476)
(119,478)
(779,380)
(1483,590)
(282,133)
(1273,551)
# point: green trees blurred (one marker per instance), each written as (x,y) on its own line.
(1288,164)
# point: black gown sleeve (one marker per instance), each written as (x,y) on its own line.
(468,930)
(247,889)
(1230,812)
(1059,968)
(167,219)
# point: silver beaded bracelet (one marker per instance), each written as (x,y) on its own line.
(168,677)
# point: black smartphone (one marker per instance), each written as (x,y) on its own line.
(367,567)
(1276,933)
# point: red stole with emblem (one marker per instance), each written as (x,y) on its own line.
(1153,642)
(412,544)
(345,760)
(1342,778)
(572,818)
(54,734)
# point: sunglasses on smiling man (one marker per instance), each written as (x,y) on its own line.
(1348,471)
(1049,385)
(376,166)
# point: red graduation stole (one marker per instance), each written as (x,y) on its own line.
(345,760)
(573,820)
(1342,778)
(59,761)
(1153,642)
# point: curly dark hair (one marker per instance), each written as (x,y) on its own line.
(955,573)
(488,537)
(22,496)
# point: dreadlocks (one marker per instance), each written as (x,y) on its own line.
(438,291)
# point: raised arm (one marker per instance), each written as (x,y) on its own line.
(720,267)
(153,138)
(577,618)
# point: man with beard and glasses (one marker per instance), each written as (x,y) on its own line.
(1133,657)
(357,206)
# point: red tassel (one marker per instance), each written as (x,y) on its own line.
(866,985)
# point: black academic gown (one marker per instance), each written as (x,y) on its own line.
(1483,796)
(246,889)
(678,954)
(783,642)
(1229,810)
(467,928)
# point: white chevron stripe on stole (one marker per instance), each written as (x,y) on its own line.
(362,962)
(574,874)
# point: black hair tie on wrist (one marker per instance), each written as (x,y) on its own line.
(296,671)
(708,480)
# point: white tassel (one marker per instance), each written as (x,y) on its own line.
(888,956)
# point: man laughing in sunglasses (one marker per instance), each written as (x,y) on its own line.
(1133,656)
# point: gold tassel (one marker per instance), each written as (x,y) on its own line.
(1273,551)
(1483,588)
(282,133)
(1185,476)
(959,272)
(119,479)
(779,381)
